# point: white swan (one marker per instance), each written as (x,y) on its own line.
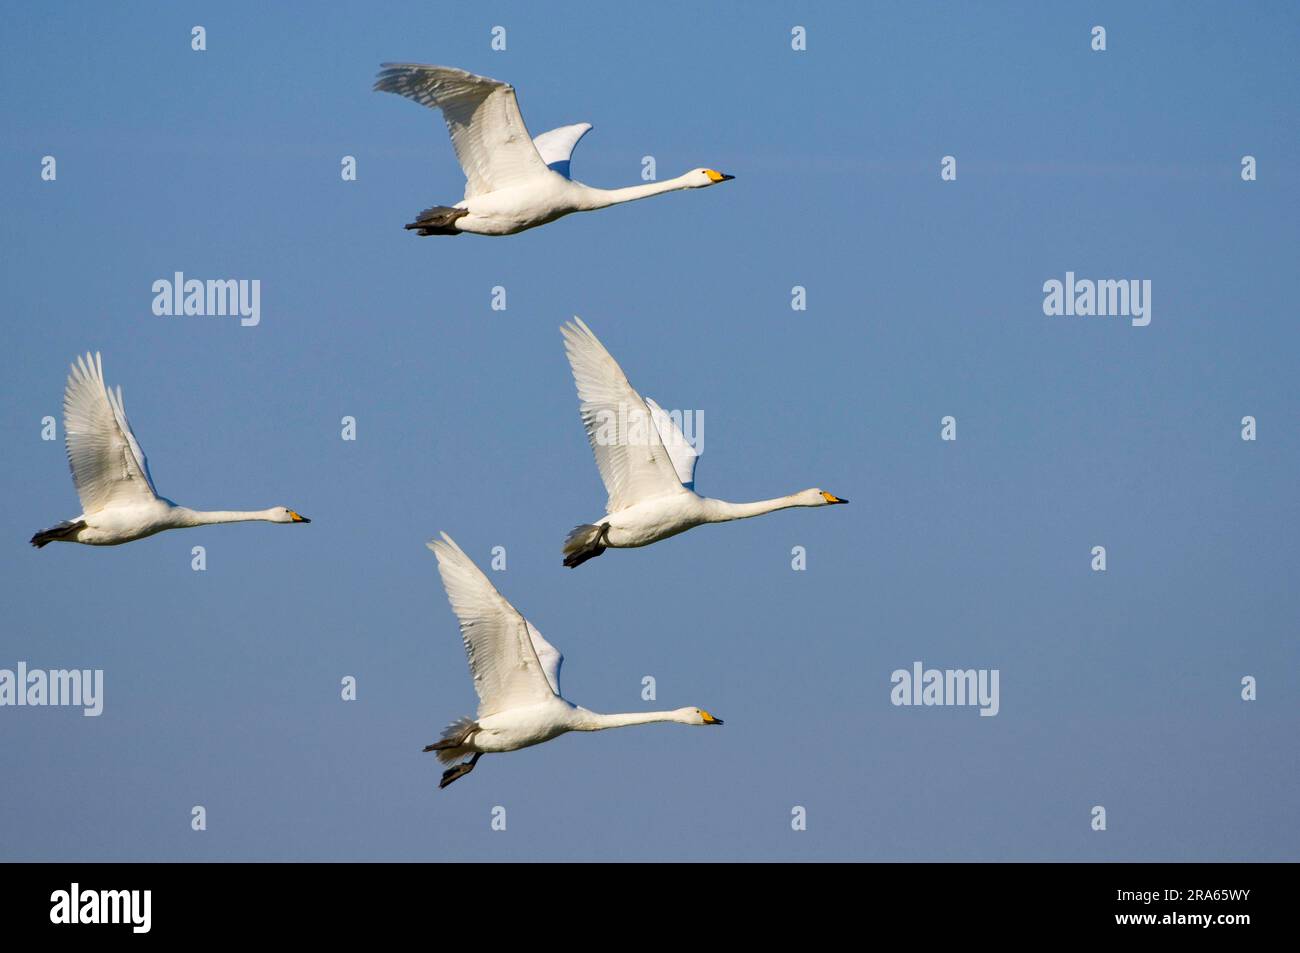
(513,182)
(645,461)
(112,475)
(516,675)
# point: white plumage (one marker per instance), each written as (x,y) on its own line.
(680,452)
(516,674)
(118,498)
(556,147)
(645,462)
(505,651)
(512,181)
(108,466)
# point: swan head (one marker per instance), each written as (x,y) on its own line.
(819,497)
(282,514)
(697,716)
(703,178)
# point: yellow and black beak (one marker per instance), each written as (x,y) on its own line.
(297,518)
(717,176)
(709,719)
(832,498)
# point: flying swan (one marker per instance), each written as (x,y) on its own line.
(112,475)
(513,181)
(516,675)
(645,461)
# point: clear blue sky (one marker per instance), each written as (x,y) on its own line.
(924,299)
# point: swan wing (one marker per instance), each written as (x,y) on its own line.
(629,453)
(556,147)
(498,640)
(108,466)
(548,655)
(680,451)
(488,133)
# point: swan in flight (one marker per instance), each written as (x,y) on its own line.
(645,461)
(112,475)
(513,181)
(516,675)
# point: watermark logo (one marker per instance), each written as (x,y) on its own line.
(952,686)
(77,688)
(1104,297)
(75,905)
(216,297)
(633,426)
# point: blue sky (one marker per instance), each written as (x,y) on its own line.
(1118,689)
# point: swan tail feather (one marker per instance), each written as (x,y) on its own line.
(439,220)
(583,543)
(454,742)
(68,529)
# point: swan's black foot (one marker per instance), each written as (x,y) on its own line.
(458,770)
(573,562)
(585,542)
(439,220)
(65,530)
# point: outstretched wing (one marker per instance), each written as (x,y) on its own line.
(498,640)
(108,466)
(556,147)
(491,141)
(680,451)
(629,454)
(548,655)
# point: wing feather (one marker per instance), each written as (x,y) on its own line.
(680,451)
(629,453)
(548,655)
(556,146)
(108,466)
(498,640)
(487,131)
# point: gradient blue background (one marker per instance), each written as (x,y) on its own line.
(222,687)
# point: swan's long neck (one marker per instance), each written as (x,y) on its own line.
(595,721)
(720,511)
(603,198)
(189,517)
